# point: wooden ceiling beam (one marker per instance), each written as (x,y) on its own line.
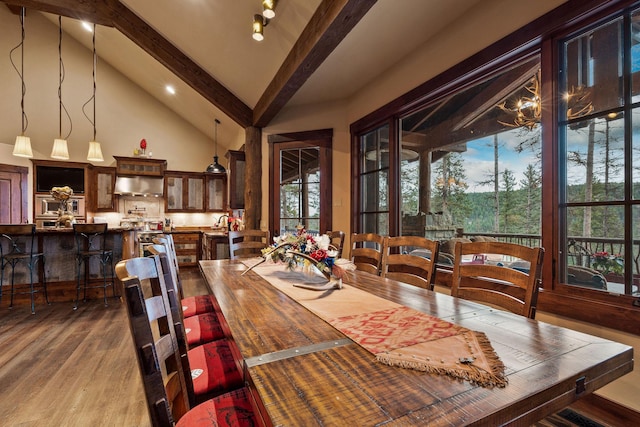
(180,64)
(331,22)
(113,13)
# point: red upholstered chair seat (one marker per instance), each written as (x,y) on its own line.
(213,369)
(231,409)
(200,304)
(203,328)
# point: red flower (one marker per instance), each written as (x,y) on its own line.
(318,254)
(143,144)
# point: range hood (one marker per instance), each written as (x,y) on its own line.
(139,185)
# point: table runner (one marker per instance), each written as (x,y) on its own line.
(395,334)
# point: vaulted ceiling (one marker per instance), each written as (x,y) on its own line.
(314,50)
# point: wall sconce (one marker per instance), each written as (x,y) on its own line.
(269,8)
(22,147)
(258,24)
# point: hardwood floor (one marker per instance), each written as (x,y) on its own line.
(61,367)
(65,368)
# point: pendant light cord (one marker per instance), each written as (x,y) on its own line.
(217,122)
(62,76)
(25,120)
(93,97)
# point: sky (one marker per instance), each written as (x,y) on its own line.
(479,161)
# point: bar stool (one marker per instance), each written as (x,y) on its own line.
(90,244)
(17,245)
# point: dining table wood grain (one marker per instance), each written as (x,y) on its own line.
(303,371)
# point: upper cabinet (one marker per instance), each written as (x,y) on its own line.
(236,178)
(103,180)
(184,191)
(216,195)
(140,166)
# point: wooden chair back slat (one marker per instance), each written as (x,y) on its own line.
(400,260)
(247,243)
(494,282)
(366,252)
(167,241)
(159,357)
(337,240)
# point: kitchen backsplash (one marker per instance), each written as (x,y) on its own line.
(152,208)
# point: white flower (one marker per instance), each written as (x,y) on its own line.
(323,242)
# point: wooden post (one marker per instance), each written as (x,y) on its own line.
(253,177)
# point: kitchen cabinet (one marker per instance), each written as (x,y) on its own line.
(187,248)
(216,194)
(215,246)
(140,166)
(236,169)
(184,191)
(103,179)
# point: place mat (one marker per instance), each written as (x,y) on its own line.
(395,334)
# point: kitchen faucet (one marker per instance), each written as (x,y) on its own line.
(220,220)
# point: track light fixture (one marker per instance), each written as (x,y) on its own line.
(258,25)
(269,8)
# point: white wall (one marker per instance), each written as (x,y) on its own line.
(124,113)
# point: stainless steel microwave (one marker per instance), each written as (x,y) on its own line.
(47,206)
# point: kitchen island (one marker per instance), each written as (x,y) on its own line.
(59,248)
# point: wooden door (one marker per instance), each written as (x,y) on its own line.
(13,193)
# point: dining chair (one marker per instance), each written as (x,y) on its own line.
(199,328)
(337,240)
(247,243)
(494,282)
(18,246)
(366,252)
(91,245)
(212,366)
(193,305)
(410,259)
(160,361)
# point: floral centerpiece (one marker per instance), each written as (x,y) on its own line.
(607,263)
(63,194)
(304,249)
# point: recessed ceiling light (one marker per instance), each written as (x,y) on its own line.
(87,26)
(170,89)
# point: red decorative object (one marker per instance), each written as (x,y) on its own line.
(143,144)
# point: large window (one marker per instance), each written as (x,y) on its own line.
(467,163)
(599,150)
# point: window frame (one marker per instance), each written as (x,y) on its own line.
(321,139)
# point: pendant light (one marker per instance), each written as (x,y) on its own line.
(95,150)
(22,147)
(215,166)
(60,150)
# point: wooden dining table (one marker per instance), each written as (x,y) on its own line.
(305,372)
